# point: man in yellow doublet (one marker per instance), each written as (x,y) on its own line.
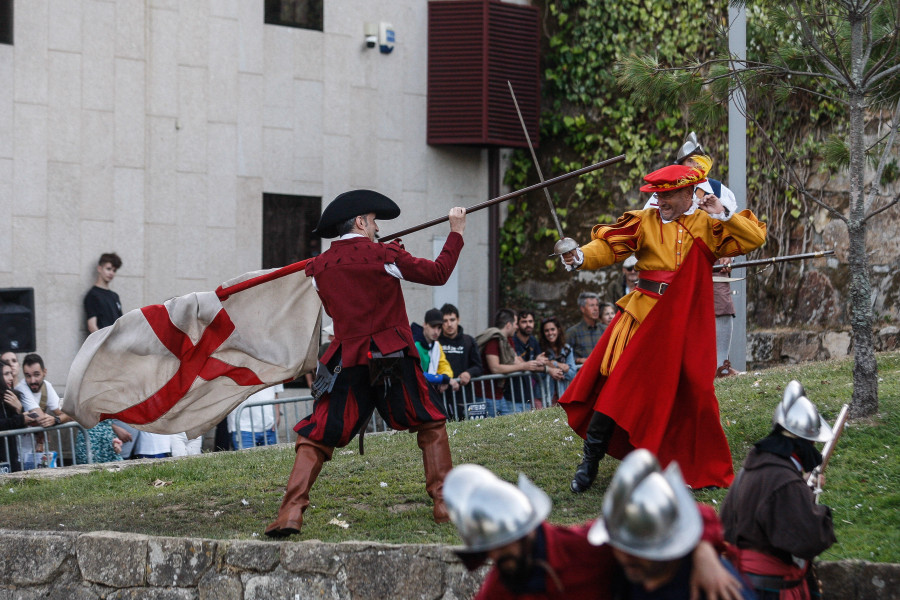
(644,390)
(661,246)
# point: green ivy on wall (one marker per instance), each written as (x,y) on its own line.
(588,117)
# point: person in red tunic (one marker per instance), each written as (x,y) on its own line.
(533,559)
(649,381)
(372,363)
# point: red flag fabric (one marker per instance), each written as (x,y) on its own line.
(184,365)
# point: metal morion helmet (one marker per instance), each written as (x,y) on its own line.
(489,512)
(648,513)
(690,146)
(799,416)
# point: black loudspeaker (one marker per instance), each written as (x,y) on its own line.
(17,320)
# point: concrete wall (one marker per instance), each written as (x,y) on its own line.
(113,565)
(153,127)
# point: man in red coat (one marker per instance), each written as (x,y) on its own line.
(372,363)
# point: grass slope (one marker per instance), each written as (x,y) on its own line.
(380,496)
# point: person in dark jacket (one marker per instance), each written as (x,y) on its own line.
(770,513)
(464,358)
(12,417)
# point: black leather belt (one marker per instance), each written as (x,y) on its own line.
(656,287)
(772,582)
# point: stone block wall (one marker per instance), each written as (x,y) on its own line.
(120,566)
(111,565)
(770,348)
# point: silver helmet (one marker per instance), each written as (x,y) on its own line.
(799,416)
(489,512)
(690,146)
(648,513)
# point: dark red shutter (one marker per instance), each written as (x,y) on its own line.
(474,48)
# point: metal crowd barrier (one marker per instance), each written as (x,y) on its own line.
(521,392)
(472,401)
(65,453)
(293,410)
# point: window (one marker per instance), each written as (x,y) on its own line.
(305,14)
(6,22)
(288,222)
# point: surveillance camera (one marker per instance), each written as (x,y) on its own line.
(371,41)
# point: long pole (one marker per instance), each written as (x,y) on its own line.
(737,173)
(537,164)
(509,196)
(774,259)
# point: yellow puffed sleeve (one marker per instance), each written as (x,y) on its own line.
(613,243)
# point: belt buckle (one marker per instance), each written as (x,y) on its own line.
(662,287)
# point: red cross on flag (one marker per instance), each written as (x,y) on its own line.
(184,365)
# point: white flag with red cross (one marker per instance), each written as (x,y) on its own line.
(184,365)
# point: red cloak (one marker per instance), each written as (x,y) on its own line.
(660,392)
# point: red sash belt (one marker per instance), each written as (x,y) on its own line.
(655,282)
(768,572)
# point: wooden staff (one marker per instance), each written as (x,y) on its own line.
(509,196)
(774,259)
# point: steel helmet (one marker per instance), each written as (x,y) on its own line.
(690,146)
(799,416)
(648,513)
(489,512)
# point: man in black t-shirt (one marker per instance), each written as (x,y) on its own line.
(101,304)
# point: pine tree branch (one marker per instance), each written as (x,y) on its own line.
(830,33)
(799,185)
(887,56)
(842,77)
(886,73)
(890,204)
(882,163)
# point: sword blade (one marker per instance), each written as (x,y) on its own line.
(537,165)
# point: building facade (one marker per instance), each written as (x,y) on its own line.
(190,135)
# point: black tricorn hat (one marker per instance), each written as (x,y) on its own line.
(352,204)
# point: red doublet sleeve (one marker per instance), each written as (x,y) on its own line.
(422,270)
(712,528)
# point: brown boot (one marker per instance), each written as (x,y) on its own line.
(432,439)
(307,464)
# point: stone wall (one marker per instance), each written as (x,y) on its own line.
(770,348)
(110,565)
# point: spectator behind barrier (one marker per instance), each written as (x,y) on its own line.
(607,314)
(105,444)
(585,334)
(560,356)
(12,417)
(11,358)
(258,423)
(431,355)
(153,445)
(528,349)
(464,358)
(499,357)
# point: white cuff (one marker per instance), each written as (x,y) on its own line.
(723,216)
(579,260)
